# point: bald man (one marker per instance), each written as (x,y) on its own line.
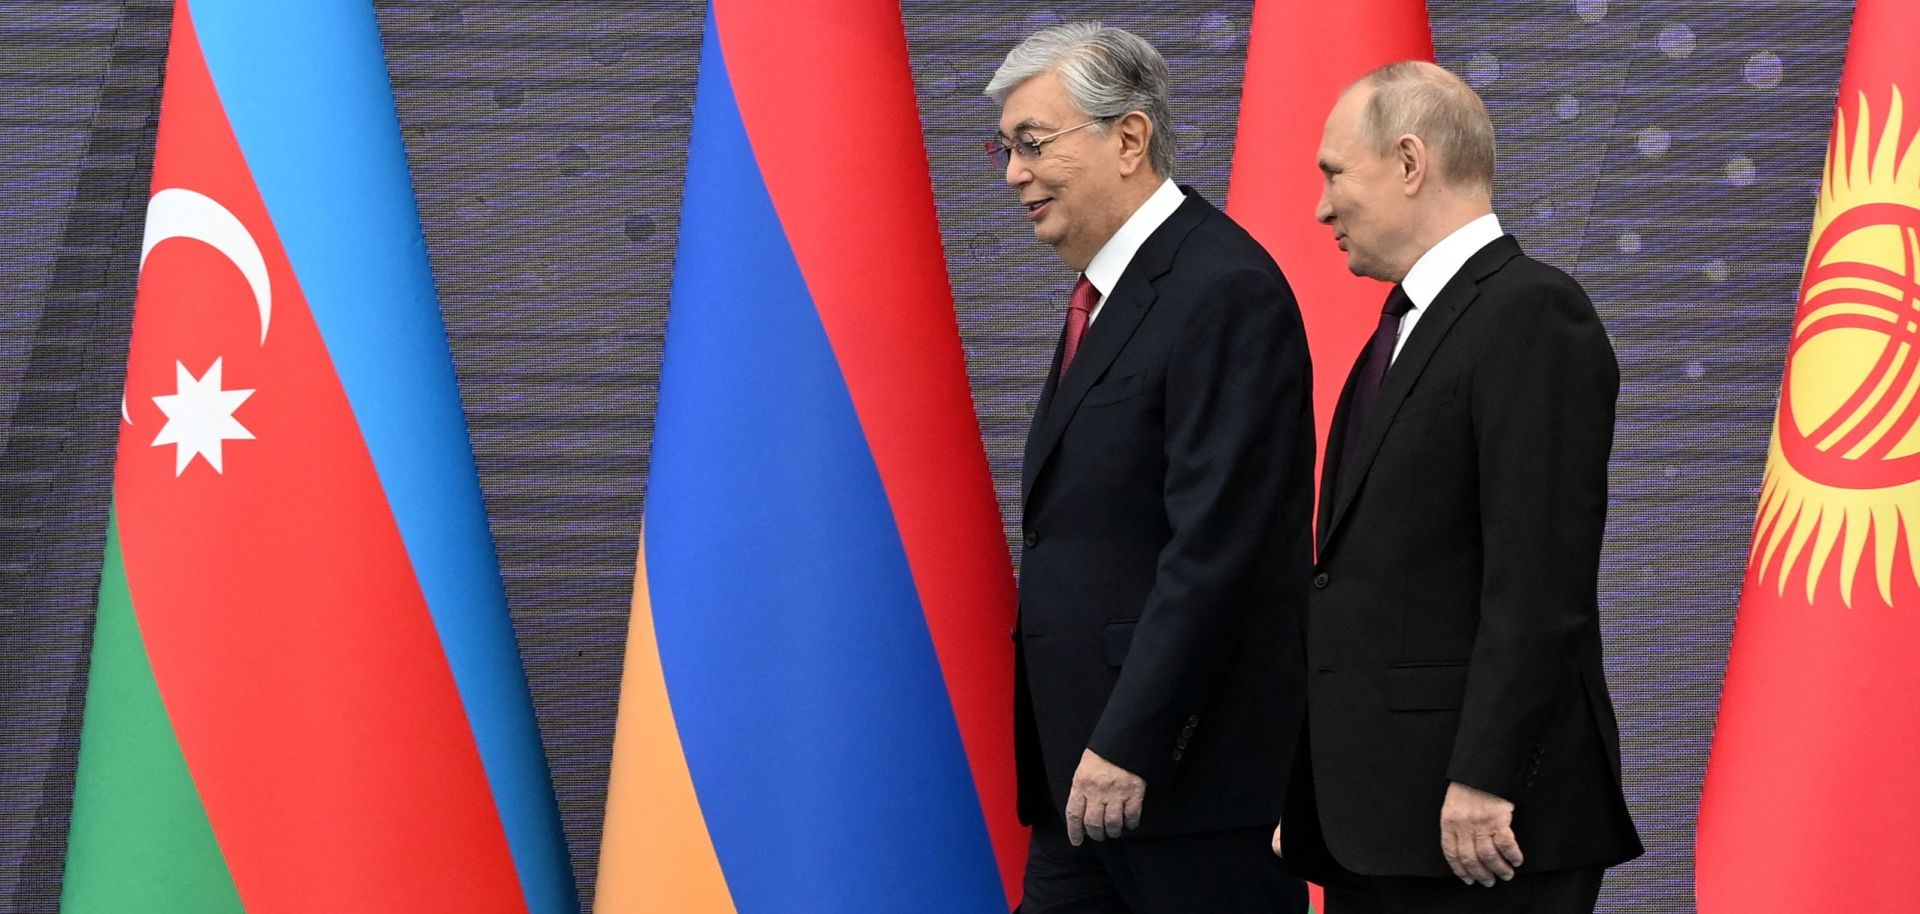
(1460,752)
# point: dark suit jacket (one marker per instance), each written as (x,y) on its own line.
(1168,492)
(1454,629)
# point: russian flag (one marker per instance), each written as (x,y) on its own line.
(817,709)
(305,693)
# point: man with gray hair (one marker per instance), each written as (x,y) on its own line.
(1460,752)
(1167,494)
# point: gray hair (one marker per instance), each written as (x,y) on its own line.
(1107,72)
(1419,98)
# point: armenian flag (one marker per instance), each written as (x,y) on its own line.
(817,706)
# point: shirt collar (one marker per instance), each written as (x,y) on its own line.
(1436,267)
(1107,265)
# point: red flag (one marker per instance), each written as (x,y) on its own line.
(1301,54)
(1812,798)
(1299,57)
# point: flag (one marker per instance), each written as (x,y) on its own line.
(1301,54)
(1812,795)
(816,713)
(305,693)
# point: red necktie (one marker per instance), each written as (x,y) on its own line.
(1079,314)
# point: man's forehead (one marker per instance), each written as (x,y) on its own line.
(1026,125)
(1351,105)
(1040,103)
(1343,122)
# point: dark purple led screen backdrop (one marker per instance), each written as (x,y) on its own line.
(1666,154)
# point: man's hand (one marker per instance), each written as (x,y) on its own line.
(1276,839)
(1476,835)
(1104,801)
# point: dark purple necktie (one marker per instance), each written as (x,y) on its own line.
(1373,370)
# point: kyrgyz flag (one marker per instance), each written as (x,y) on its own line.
(1299,57)
(305,693)
(1812,797)
(817,709)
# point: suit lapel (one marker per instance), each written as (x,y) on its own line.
(1030,464)
(1336,439)
(1120,315)
(1439,318)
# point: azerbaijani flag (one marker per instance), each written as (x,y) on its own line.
(1812,795)
(817,707)
(305,693)
(1300,55)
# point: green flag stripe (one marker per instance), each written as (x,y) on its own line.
(140,839)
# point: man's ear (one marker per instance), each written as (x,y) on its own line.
(1135,131)
(1414,161)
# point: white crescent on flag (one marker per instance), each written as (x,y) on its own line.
(176,212)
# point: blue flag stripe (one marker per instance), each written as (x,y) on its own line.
(802,676)
(305,86)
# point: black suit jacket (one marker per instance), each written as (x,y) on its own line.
(1454,629)
(1168,490)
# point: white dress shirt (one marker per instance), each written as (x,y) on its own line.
(1436,268)
(1107,265)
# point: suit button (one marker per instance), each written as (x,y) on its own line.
(1032,539)
(1176,755)
(1180,743)
(1319,581)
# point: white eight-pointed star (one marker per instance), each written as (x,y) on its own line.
(200,417)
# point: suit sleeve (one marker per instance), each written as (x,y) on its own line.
(1543,409)
(1236,385)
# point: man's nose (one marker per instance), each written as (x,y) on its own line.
(1323,210)
(1017,171)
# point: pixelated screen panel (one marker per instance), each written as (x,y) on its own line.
(1666,157)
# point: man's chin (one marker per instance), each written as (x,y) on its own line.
(1050,239)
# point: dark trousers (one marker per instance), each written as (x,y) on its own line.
(1224,872)
(1568,891)
(1573,891)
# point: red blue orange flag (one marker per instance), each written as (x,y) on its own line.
(817,706)
(305,693)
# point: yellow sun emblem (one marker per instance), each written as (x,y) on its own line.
(1842,484)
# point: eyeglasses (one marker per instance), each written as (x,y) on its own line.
(1029,146)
